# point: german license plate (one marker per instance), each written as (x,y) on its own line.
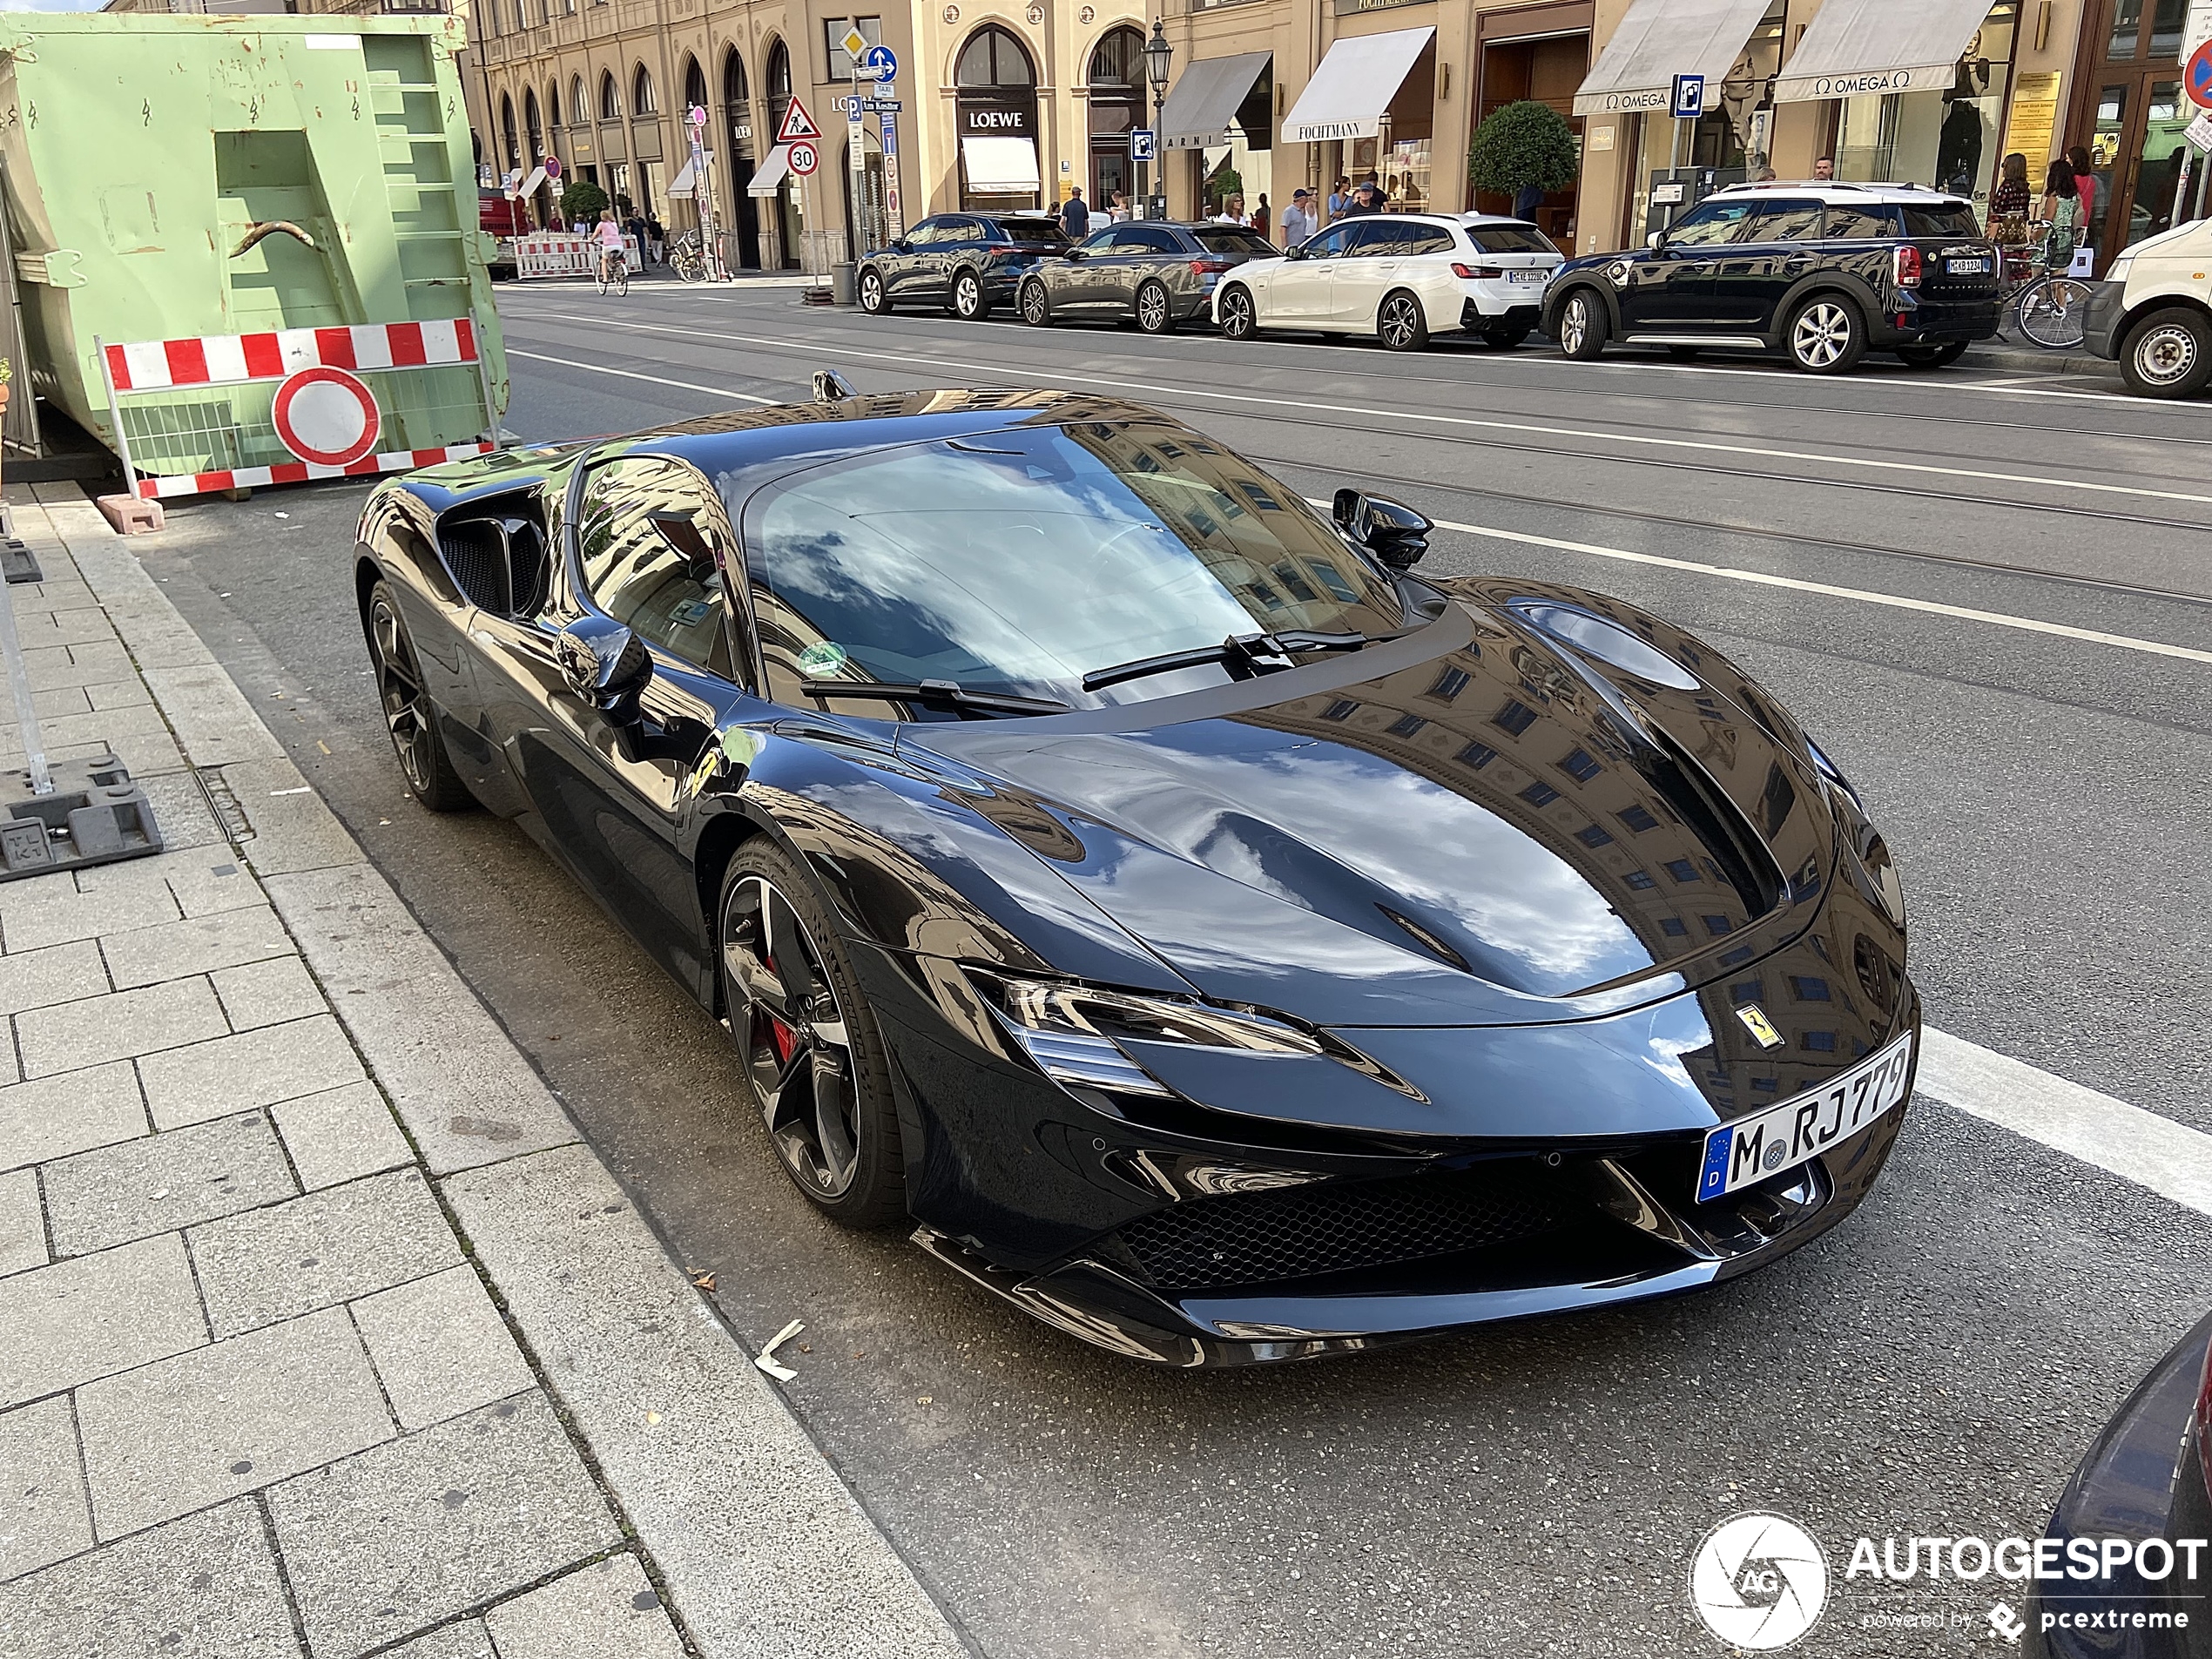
(1790,1131)
(1966,268)
(1525,276)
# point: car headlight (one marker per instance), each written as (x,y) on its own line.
(2117,270)
(1071,1029)
(1833,773)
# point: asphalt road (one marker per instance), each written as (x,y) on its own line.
(1933,1367)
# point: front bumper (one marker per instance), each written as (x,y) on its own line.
(2106,314)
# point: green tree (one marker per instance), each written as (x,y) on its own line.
(1521,145)
(582,201)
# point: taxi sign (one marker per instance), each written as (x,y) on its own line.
(797,124)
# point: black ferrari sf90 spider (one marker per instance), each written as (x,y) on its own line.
(1205,932)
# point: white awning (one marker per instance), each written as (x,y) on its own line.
(1660,40)
(1353,86)
(1857,46)
(1204,99)
(1001,166)
(771,173)
(679,188)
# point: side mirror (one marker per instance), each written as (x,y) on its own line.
(902,245)
(1393,532)
(604,664)
(830,387)
(1657,241)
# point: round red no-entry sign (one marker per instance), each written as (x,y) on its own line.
(326,416)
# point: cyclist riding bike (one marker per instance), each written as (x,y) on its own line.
(611,247)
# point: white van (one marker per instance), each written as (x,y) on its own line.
(2154,312)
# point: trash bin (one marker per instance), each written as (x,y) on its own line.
(842,283)
(269,223)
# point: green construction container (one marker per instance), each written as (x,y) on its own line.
(147,158)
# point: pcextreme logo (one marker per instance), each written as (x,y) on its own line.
(1759,1581)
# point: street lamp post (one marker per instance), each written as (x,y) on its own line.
(1159,59)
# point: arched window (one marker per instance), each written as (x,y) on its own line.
(610,97)
(778,91)
(579,112)
(994,57)
(531,129)
(733,87)
(1117,63)
(553,106)
(507,130)
(694,85)
(1115,104)
(642,101)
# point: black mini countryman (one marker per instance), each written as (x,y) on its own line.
(1825,272)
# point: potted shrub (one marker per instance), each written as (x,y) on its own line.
(1523,149)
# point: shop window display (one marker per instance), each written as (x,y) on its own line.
(1946,141)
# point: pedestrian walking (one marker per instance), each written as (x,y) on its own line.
(1261,215)
(656,240)
(2061,214)
(1299,222)
(2085,184)
(1074,218)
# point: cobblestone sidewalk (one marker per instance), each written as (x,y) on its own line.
(320,1334)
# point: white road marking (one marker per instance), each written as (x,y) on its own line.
(601,368)
(1964,613)
(1277,400)
(2171,1159)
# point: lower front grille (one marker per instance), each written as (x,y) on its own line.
(1336,1226)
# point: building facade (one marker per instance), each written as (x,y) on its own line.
(1014,103)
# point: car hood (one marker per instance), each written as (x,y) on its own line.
(1485,822)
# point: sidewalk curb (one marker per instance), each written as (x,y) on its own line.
(764,1550)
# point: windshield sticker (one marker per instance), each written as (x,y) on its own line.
(823,656)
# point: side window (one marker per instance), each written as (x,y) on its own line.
(1786,222)
(955,230)
(1375,238)
(1100,241)
(1860,224)
(651,543)
(922,234)
(1331,243)
(1429,238)
(1145,239)
(1710,224)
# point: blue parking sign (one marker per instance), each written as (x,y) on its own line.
(1141,144)
(1689,98)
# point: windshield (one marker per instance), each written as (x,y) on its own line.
(1018,562)
(1233,238)
(1035,229)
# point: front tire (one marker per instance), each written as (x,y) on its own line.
(1826,335)
(1400,323)
(1582,325)
(873,301)
(970,303)
(1238,317)
(2168,354)
(1155,312)
(814,1063)
(1035,305)
(409,715)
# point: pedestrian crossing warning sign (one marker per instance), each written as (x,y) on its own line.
(797,124)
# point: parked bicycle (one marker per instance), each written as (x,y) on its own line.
(614,272)
(686,259)
(2047,308)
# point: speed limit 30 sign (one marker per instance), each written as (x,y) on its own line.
(803,158)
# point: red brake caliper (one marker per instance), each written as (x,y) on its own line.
(785,1040)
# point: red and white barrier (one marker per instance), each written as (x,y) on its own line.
(237,360)
(299,472)
(564,254)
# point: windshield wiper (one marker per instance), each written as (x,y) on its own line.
(1239,654)
(948,694)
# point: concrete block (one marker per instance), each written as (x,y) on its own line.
(727,1492)
(132,514)
(43,1515)
(441,1347)
(73,1035)
(211,716)
(22,1227)
(65,1325)
(71,1113)
(199,945)
(39,978)
(254,1069)
(158,1183)
(202,1588)
(327,1248)
(267,993)
(607,1610)
(466,1095)
(410,1533)
(171,1438)
(293,829)
(342,1134)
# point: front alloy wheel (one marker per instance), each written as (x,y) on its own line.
(1827,336)
(1037,309)
(968,303)
(1154,314)
(1581,326)
(409,715)
(2168,354)
(809,1046)
(872,292)
(1400,324)
(1238,320)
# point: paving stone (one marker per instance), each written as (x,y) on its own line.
(23,1229)
(171,1438)
(67,1324)
(327,1248)
(253,1068)
(466,1640)
(202,1588)
(199,882)
(115,1026)
(292,828)
(117,694)
(180,809)
(412,1532)
(198,945)
(158,1183)
(342,1134)
(42,1513)
(267,993)
(441,1347)
(48,910)
(212,716)
(86,664)
(59,974)
(607,1610)
(101,729)
(71,1113)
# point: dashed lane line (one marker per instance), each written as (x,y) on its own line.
(631,374)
